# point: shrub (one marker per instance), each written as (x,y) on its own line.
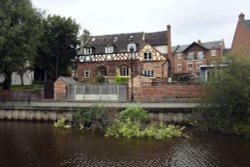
(134,113)
(121,79)
(131,124)
(61,124)
(99,79)
(94,117)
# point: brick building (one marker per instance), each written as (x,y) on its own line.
(241,40)
(146,54)
(188,59)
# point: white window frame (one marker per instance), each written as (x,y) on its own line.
(147,56)
(179,56)
(124,71)
(109,49)
(148,73)
(189,68)
(131,45)
(190,54)
(179,67)
(213,53)
(199,54)
(86,73)
(198,65)
(87,51)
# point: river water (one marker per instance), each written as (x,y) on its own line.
(39,144)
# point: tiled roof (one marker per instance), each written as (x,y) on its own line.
(247,24)
(68,80)
(207,45)
(120,41)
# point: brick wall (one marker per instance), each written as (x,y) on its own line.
(241,38)
(21,95)
(60,90)
(145,91)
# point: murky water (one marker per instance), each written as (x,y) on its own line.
(39,144)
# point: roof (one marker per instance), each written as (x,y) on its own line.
(67,80)
(120,41)
(206,45)
(246,23)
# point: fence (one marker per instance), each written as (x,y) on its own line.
(114,92)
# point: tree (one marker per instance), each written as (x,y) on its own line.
(18,36)
(227,106)
(84,36)
(58,45)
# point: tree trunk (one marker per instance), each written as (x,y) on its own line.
(21,77)
(7,81)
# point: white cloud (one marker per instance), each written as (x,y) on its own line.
(190,20)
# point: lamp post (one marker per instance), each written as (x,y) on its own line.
(131,74)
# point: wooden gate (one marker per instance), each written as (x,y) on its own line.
(49,90)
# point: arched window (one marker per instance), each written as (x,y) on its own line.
(102,71)
(132,46)
(124,71)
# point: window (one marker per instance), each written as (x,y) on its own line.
(149,73)
(109,49)
(200,55)
(190,56)
(213,52)
(213,63)
(190,66)
(179,56)
(130,46)
(86,73)
(198,65)
(124,71)
(179,66)
(87,51)
(102,71)
(147,56)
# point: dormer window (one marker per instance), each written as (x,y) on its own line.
(109,49)
(147,56)
(131,46)
(87,51)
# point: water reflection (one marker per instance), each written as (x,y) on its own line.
(38,144)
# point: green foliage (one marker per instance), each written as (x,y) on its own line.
(121,79)
(134,113)
(228,97)
(131,124)
(19,33)
(99,79)
(57,47)
(61,124)
(94,117)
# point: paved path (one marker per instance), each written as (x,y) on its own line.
(116,105)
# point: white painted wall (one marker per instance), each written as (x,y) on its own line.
(16,80)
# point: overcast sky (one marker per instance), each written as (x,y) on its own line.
(190,20)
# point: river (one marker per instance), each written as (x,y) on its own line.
(39,144)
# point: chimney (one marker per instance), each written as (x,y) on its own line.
(241,17)
(169,39)
(199,41)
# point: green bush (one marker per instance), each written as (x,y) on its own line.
(131,124)
(121,79)
(134,113)
(99,79)
(61,124)
(94,117)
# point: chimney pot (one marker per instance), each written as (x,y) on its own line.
(241,17)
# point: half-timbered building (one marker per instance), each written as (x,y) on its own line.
(125,54)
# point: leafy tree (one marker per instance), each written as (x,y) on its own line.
(227,106)
(18,36)
(84,36)
(58,45)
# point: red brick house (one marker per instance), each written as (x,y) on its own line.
(188,59)
(241,40)
(113,55)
